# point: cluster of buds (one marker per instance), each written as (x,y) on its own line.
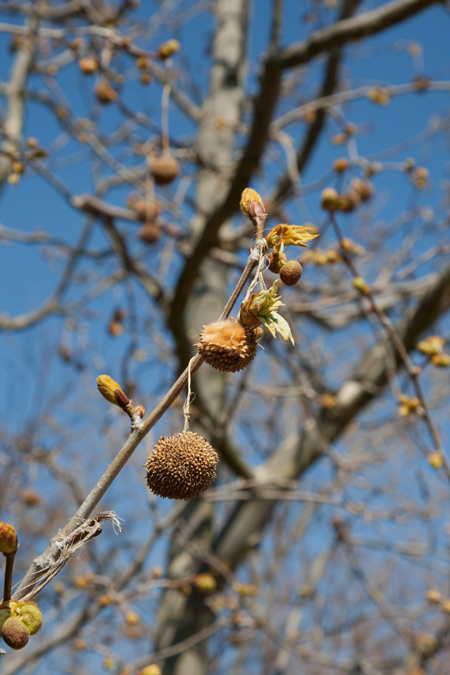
(19,620)
(113,393)
(433,348)
(19,160)
(409,405)
(379,95)
(143,65)
(359,191)
(435,597)
(261,308)
(320,257)
(420,177)
(281,236)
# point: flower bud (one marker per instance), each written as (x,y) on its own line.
(361,285)
(110,390)
(205,583)
(168,48)
(340,165)
(151,669)
(8,539)
(441,360)
(88,65)
(251,204)
(30,615)
(436,460)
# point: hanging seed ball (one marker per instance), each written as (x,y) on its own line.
(181,466)
(291,273)
(164,169)
(150,233)
(145,209)
(227,345)
(15,633)
(105,93)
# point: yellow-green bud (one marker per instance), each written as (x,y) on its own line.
(110,390)
(31,616)
(251,203)
(8,538)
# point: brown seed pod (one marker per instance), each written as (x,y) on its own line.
(181,466)
(145,209)
(291,272)
(275,261)
(329,199)
(15,633)
(105,93)
(227,345)
(150,233)
(164,169)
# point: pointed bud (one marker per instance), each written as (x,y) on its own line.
(168,48)
(110,390)
(251,204)
(8,539)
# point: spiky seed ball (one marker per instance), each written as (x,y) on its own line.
(227,345)
(15,633)
(181,466)
(150,233)
(164,169)
(291,272)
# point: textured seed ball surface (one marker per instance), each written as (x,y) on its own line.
(14,633)
(291,272)
(164,169)
(181,466)
(227,345)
